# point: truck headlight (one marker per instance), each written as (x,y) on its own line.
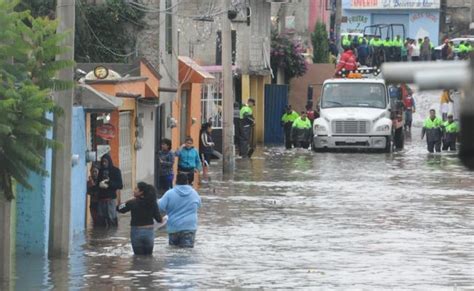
(318,127)
(383,128)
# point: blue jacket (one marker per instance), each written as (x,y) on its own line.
(189,158)
(181,204)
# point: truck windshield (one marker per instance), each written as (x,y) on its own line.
(371,95)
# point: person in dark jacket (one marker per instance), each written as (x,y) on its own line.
(93,191)
(236,125)
(144,209)
(333,48)
(247,122)
(206,147)
(287,122)
(301,131)
(188,159)
(432,130)
(166,162)
(109,182)
(363,52)
(450,134)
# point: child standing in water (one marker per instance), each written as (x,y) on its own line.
(166,161)
(144,209)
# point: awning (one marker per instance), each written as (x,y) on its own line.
(93,100)
(191,72)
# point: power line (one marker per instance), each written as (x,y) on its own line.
(98,39)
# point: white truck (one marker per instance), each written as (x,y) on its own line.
(354,114)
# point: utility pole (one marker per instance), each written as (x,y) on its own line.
(228,157)
(61,173)
(5,240)
(281,29)
(338,20)
(471,25)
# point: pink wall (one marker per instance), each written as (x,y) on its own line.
(317,11)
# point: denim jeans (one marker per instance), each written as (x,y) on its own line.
(183,239)
(142,240)
(106,213)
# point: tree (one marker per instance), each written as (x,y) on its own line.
(319,39)
(288,55)
(27,70)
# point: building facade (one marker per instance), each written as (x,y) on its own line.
(455,18)
(420,18)
(200,39)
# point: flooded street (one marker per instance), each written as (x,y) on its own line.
(299,219)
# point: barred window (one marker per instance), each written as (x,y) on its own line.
(211,102)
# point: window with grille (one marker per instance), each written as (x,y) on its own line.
(211,102)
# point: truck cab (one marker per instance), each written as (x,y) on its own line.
(354,114)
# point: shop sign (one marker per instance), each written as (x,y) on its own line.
(395,4)
(105,131)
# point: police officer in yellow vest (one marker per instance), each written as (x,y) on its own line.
(247,121)
(432,130)
(450,134)
(287,122)
(301,131)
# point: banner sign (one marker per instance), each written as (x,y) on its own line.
(395,4)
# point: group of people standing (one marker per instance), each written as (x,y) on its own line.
(449,50)
(373,51)
(180,202)
(298,128)
(440,132)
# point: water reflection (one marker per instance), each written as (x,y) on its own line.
(292,219)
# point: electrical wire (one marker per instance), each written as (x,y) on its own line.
(147,9)
(97,38)
(153,10)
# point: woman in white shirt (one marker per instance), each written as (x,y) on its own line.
(415,53)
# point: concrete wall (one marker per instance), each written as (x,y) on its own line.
(197,39)
(455,21)
(148,38)
(146,155)
(316,75)
(79,172)
(33,211)
(301,17)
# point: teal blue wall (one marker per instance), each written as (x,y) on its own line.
(79,172)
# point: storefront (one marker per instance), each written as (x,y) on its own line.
(420,18)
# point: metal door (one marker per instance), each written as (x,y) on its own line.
(276,98)
(125,153)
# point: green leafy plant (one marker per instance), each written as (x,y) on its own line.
(287,54)
(319,39)
(106,32)
(27,70)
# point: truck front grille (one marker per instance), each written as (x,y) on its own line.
(350,127)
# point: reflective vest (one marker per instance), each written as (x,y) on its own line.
(451,127)
(346,41)
(430,124)
(302,124)
(387,43)
(245,111)
(376,42)
(290,117)
(398,43)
